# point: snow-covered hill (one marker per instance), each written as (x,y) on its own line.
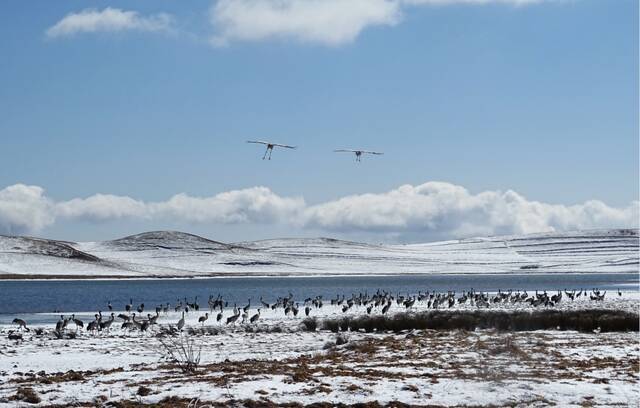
(174,254)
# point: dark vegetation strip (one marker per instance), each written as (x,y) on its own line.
(580,320)
(177,402)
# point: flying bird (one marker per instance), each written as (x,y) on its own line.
(358,153)
(270,147)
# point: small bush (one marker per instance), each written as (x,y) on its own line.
(182,351)
(310,324)
(410,387)
(275,329)
(340,340)
(26,394)
(74,376)
(143,391)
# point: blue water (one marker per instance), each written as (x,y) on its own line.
(28,297)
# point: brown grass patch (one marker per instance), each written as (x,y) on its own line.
(59,377)
(26,394)
(508,346)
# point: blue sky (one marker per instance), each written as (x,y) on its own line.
(539,98)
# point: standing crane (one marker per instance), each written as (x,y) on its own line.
(358,153)
(21,324)
(270,147)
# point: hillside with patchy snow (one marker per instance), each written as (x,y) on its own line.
(177,254)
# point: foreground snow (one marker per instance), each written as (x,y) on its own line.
(276,360)
(441,368)
(175,254)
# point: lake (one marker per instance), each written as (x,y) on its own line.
(18,298)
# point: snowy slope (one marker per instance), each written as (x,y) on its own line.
(173,254)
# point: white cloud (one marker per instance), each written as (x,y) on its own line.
(102,207)
(430,211)
(108,20)
(251,205)
(24,209)
(327,22)
(438,210)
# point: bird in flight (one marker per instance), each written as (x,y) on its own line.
(358,153)
(270,147)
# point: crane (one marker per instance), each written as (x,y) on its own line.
(270,147)
(358,153)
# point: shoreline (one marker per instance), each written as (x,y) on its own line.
(224,275)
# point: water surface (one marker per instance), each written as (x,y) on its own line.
(20,298)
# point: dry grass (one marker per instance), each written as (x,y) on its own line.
(507,345)
(363,347)
(69,376)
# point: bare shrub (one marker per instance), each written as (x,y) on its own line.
(182,351)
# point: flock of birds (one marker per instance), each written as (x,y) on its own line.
(271,145)
(381,301)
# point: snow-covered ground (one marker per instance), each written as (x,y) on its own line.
(175,254)
(275,360)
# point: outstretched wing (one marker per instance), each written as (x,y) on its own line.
(285,146)
(357,151)
(271,144)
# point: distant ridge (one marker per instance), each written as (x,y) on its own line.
(178,254)
(43,247)
(169,240)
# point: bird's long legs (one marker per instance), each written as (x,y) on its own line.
(265,153)
(270,151)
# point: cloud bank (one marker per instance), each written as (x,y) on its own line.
(438,210)
(108,20)
(433,210)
